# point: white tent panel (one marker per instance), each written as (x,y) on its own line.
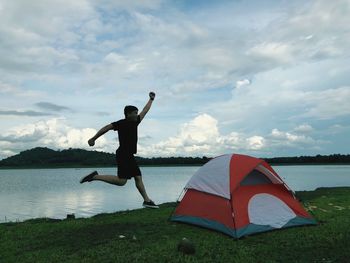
(266,209)
(213,177)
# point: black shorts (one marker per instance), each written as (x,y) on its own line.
(127,166)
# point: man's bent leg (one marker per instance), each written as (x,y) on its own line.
(141,188)
(111,179)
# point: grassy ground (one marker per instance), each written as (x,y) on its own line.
(97,239)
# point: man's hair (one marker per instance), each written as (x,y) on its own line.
(128,109)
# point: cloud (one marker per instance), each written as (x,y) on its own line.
(274,52)
(24,138)
(167,43)
(28,113)
(338,129)
(201,136)
(256,142)
(6,153)
(8,89)
(53,133)
(195,136)
(37,37)
(51,106)
(198,137)
(119,63)
(12,90)
(280,139)
(286,95)
(96,54)
(303,128)
(242,83)
(118,5)
(328,104)
(146,45)
(330,38)
(102,113)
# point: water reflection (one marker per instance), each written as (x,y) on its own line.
(54,193)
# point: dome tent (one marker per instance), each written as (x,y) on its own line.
(239,195)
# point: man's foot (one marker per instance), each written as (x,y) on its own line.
(150,204)
(89,177)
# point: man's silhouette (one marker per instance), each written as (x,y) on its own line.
(127,166)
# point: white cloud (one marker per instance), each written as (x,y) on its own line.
(200,130)
(207,81)
(279,138)
(132,5)
(75,138)
(40,36)
(9,89)
(256,142)
(119,63)
(102,53)
(201,136)
(284,95)
(328,104)
(195,137)
(242,83)
(53,133)
(303,128)
(281,53)
(338,129)
(6,153)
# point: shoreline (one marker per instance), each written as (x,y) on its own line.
(147,235)
(173,204)
(152,165)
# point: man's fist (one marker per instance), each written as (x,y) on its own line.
(91,142)
(152,95)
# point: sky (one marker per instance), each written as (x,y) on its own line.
(263,78)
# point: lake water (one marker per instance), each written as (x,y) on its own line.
(54,193)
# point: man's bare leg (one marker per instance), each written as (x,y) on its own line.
(111,179)
(141,188)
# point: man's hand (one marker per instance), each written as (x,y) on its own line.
(91,142)
(152,95)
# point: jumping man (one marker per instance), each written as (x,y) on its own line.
(127,166)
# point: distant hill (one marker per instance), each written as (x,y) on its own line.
(45,157)
(42,157)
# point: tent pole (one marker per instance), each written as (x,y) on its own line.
(233,214)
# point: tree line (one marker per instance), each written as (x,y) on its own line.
(318,159)
(45,157)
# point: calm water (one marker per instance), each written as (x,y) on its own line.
(54,193)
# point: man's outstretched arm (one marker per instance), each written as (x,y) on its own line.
(100,133)
(152,95)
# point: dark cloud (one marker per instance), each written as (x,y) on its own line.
(51,107)
(28,113)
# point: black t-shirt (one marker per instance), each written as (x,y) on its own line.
(127,133)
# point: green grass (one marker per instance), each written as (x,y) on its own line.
(97,239)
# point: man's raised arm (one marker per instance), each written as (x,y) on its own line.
(100,133)
(152,95)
